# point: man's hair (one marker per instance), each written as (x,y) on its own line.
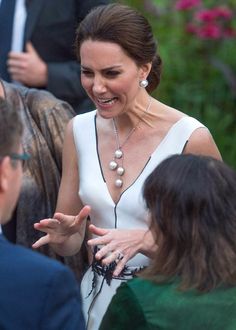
(11,128)
(192,204)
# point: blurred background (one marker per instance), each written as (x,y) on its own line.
(197,43)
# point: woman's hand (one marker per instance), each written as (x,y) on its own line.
(61,228)
(120,245)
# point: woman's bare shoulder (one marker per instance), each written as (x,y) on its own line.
(201,142)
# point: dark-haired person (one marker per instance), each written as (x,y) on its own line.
(36,292)
(115,148)
(191,282)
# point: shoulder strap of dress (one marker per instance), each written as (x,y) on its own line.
(180,133)
(83,126)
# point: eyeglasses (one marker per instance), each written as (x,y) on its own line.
(23,157)
(14,156)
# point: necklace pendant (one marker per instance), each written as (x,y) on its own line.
(113,165)
(120,171)
(118,153)
(118,183)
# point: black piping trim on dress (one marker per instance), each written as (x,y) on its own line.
(184,146)
(116,204)
(115,214)
(96,136)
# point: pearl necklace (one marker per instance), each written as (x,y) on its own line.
(117,163)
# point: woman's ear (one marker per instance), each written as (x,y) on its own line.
(144,71)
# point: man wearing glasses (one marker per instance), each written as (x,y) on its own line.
(36,292)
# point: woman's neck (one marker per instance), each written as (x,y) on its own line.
(134,116)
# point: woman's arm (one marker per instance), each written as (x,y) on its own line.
(68,201)
(202,143)
(65,233)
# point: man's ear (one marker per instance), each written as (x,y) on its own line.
(145,70)
(5,170)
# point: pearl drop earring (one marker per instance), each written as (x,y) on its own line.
(143,83)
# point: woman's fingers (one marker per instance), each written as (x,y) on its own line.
(99,241)
(71,220)
(84,213)
(102,233)
(98,231)
(61,227)
(42,241)
(114,256)
(111,257)
(104,252)
(80,219)
(46,224)
(116,245)
(63,218)
(120,266)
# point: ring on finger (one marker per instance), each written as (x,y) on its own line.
(119,255)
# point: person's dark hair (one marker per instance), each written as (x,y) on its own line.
(126,27)
(11,128)
(192,204)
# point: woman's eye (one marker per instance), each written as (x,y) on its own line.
(86,72)
(112,73)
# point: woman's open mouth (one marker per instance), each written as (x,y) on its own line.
(108,101)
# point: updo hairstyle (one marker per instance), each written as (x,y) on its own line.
(129,29)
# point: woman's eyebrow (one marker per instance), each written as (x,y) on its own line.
(105,69)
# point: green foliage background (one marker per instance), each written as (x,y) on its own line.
(191,82)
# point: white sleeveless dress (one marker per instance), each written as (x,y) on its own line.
(98,286)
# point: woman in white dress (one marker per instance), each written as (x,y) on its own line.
(108,153)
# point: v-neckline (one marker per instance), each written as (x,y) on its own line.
(159,146)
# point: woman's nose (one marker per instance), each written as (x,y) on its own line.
(99,85)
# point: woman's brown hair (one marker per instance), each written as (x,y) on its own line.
(192,204)
(126,27)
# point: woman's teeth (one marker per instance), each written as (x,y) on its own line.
(107,101)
